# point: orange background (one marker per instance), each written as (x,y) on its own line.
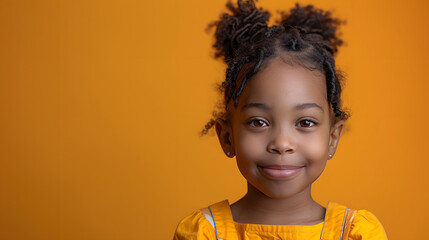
(101,103)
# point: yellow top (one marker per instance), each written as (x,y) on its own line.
(340,222)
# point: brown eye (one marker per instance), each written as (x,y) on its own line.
(306,123)
(258,123)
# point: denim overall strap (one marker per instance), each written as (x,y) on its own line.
(337,219)
(223,222)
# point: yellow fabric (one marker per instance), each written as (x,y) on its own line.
(359,225)
(334,221)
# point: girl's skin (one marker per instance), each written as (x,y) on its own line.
(282,133)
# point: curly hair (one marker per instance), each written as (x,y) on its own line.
(244,41)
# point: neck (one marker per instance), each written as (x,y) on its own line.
(256,207)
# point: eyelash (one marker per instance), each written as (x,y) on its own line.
(307,120)
(252,123)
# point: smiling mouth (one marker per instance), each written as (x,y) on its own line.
(280,171)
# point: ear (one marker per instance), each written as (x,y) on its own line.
(334,137)
(224,133)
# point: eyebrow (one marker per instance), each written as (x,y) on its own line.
(256,105)
(297,107)
(308,105)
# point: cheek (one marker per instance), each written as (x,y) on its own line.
(249,151)
(314,146)
(314,150)
(249,145)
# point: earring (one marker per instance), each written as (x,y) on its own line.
(228,153)
(330,155)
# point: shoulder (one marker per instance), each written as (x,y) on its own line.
(195,226)
(364,225)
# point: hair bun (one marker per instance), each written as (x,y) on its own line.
(314,23)
(244,24)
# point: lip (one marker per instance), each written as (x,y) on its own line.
(280,171)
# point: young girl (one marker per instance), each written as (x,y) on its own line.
(282,120)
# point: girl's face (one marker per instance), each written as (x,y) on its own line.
(281,131)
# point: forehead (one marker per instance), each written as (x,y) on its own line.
(280,82)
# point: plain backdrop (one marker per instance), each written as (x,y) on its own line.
(101,103)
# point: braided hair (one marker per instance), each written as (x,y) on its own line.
(244,41)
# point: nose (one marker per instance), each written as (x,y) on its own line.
(281,143)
